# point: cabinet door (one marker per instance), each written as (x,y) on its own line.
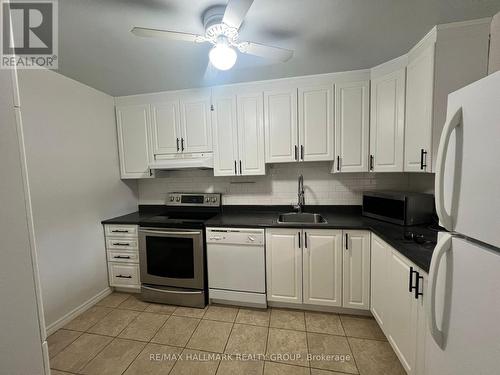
(356,275)
(196,121)
(379,275)
(166,135)
(133,126)
(251,134)
(419,99)
(280,122)
(387,122)
(284,265)
(323,267)
(352,126)
(225,135)
(402,316)
(316,123)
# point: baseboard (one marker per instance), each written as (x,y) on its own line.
(332,309)
(61,322)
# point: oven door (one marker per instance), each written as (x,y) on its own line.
(171,257)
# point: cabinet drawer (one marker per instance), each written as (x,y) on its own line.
(120,230)
(123,256)
(121,243)
(123,274)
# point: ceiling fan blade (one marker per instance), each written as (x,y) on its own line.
(267,52)
(172,35)
(236,11)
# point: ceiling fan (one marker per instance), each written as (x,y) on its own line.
(221,30)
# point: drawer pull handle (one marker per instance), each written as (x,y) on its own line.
(120,231)
(124,276)
(121,257)
(121,244)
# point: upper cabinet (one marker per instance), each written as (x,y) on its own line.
(315,122)
(387,116)
(133,128)
(238,126)
(181,122)
(195,120)
(448,58)
(280,122)
(352,103)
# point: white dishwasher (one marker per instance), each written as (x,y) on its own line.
(236,266)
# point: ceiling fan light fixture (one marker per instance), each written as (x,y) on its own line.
(223,56)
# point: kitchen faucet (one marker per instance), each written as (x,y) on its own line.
(301,198)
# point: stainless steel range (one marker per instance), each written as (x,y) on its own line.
(172,250)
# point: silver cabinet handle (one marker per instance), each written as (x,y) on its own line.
(124,276)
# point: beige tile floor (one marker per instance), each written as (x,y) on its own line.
(123,335)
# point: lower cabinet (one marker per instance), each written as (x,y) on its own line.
(310,266)
(122,253)
(397,303)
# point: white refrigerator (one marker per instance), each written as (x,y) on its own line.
(463,298)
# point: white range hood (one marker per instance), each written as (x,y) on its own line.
(200,160)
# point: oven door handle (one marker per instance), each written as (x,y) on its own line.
(171,291)
(168,233)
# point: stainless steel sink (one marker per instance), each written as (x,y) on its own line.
(301,218)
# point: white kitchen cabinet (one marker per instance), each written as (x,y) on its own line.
(448,58)
(238,127)
(356,269)
(195,121)
(322,267)
(165,125)
(419,84)
(134,144)
(284,265)
(403,311)
(394,304)
(251,134)
(352,103)
(315,104)
(379,275)
(280,122)
(181,122)
(387,118)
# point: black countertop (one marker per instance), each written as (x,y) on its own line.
(337,217)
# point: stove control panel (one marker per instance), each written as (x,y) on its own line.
(194,199)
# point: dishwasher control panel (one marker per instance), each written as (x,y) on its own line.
(245,236)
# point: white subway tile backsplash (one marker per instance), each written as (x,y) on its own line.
(279,186)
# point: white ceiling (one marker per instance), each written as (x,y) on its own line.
(97,48)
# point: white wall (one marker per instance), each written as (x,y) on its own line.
(72,157)
(279,185)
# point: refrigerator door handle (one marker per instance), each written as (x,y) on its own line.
(444,217)
(442,247)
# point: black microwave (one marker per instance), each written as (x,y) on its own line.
(397,207)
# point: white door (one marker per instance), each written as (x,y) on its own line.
(352,104)
(165,126)
(280,122)
(468,200)
(402,318)
(418,122)
(322,267)
(387,120)
(196,121)
(466,307)
(356,269)
(284,265)
(133,125)
(379,280)
(251,134)
(225,135)
(316,123)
